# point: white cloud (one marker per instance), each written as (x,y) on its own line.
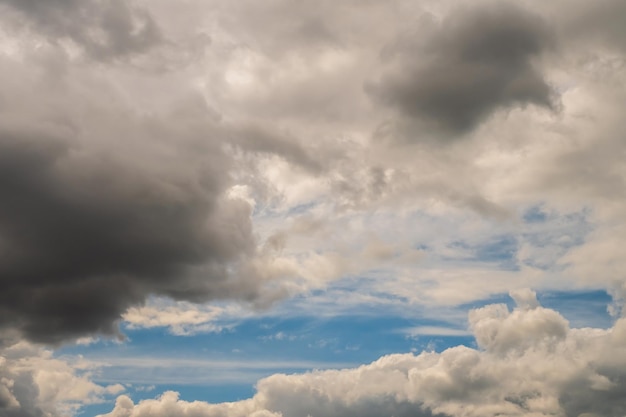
(33,381)
(181,318)
(529,363)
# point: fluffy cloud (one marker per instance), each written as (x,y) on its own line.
(529,362)
(34,383)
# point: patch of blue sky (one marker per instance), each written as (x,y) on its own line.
(535,214)
(580,308)
(544,237)
(503,298)
(574,225)
(547,241)
(501,250)
(301,208)
(96,409)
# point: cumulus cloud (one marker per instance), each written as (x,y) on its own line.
(451,76)
(529,362)
(33,383)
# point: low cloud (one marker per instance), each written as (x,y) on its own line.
(86,236)
(103,29)
(450,76)
(33,383)
(104,206)
(529,362)
(181,319)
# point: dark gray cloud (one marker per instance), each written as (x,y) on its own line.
(261,139)
(580,396)
(451,76)
(104,29)
(87,233)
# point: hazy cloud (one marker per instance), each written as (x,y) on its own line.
(104,29)
(84,238)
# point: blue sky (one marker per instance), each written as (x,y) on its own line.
(217,208)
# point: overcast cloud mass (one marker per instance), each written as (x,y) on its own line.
(205,167)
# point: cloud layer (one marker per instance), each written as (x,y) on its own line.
(408,154)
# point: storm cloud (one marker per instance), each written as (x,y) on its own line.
(449,76)
(100,209)
(80,248)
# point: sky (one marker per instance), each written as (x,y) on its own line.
(279,208)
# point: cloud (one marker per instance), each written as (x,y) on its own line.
(104,206)
(596,24)
(85,236)
(529,362)
(260,139)
(33,383)
(251,171)
(451,76)
(435,331)
(181,319)
(103,29)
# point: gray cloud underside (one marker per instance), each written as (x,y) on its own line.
(451,76)
(85,236)
(102,208)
